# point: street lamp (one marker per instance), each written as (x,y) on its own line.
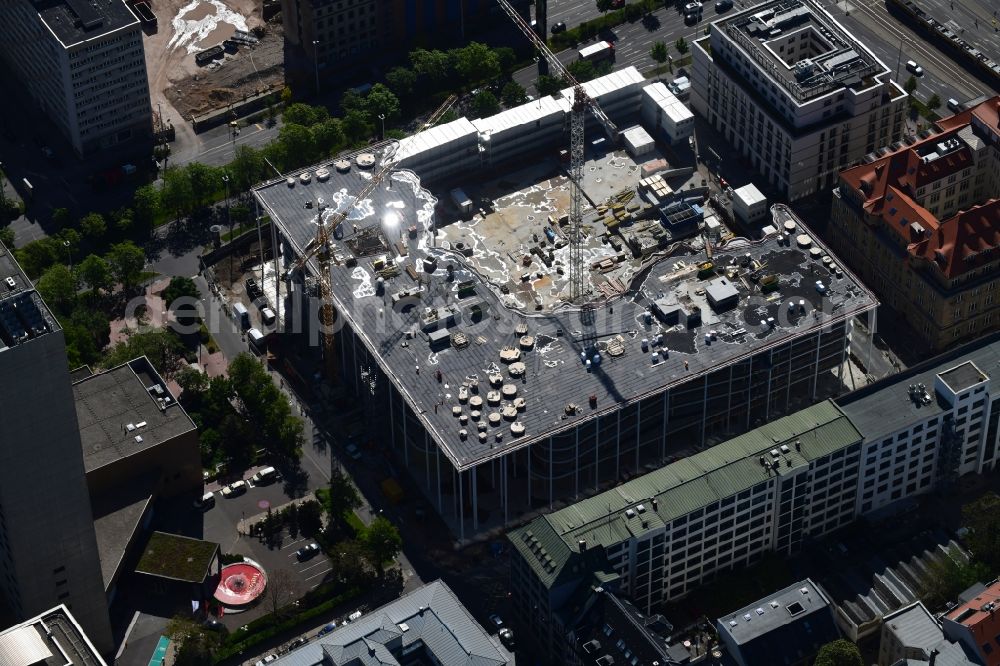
(381,117)
(316,62)
(69,254)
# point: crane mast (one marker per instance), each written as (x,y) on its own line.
(582,103)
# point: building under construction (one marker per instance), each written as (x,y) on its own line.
(500,401)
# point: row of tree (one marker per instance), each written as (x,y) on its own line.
(240,413)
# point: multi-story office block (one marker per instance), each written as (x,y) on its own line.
(83,65)
(48,550)
(794,93)
(659,536)
(922,227)
(53,637)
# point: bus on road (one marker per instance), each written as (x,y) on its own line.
(597,52)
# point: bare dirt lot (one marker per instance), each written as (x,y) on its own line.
(180,86)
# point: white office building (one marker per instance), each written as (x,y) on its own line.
(665,116)
(83,65)
(794,93)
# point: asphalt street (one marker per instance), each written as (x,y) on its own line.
(894,43)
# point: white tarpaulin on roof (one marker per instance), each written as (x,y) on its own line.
(22,646)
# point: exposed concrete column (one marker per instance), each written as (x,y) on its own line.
(749,390)
(438,463)
(770,369)
(576,462)
(704,408)
(527,452)
(819,341)
(666,418)
(461,508)
(475,499)
(618,445)
(729,400)
(427,455)
(638,432)
(597,453)
(552,478)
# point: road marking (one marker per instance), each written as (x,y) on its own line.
(292,543)
(321,563)
(321,573)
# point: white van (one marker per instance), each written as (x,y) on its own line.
(257,340)
(242,315)
(265,475)
(953,105)
(267,316)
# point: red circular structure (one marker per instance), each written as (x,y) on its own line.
(241,584)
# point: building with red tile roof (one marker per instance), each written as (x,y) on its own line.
(921,225)
(976,625)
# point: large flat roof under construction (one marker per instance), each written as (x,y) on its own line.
(436,334)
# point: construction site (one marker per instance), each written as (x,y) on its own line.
(539,304)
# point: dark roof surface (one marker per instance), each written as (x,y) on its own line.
(963,376)
(554,374)
(23,315)
(106,403)
(885,406)
(783,628)
(74,21)
(117,517)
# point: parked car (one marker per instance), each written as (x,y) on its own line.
(692,8)
(234,489)
(327,629)
(265,475)
(307,552)
(914,68)
(723,5)
(353,451)
(267,660)
(558,27)
(496,621)
(954,105)
(507,638)
(298,642)
(205,502)
(617,4)
(214,625)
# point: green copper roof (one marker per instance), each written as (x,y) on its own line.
(681,487)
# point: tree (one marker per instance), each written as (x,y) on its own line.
(62,218)
(381,101)
(659,52)
(433,66)
(348,560)
(310,518)
(840,652)
(264,408)
(58,287)
(382,543)
(507,57)
(604,5)
(948,576)
(305,115)
(356,126)
(38,255)
(484,103)
(911,85)
(176,193)
(7,237)
(205,181)
(934,102)
(292,520)
(328,135)
(401,80)
(281,589)
(184,311)
(146,202)
(194,645)
(127,262)
(247,167)
(513,94)
(297,141)
(681,45)
(160,345)
(194,384)
(344,496)
(476,63)
(86,331)
(95,273)
(582,70)
(982,519)
(123,219)
(93,225)
(549,85)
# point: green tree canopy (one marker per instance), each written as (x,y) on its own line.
(484,103)
(681,45)
(95,272)
(327,135)
(659,52)
(982,519)
(146,204)
(840,652)
(356,126)
(160,345)
(7,237)
(911,84)
(402,81)
(304,114)
(477,63)
(382,542)
(176,193)
(604,5)
(205,180)
(948,576)
(549,85)
(127,262)
(344,496)
(58,286)
(934,102)
(93,225)
(433,66)
(298,144)
(196,646)
(247,167)
(310,518)
(513,94)
(264,407)
(381,100)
